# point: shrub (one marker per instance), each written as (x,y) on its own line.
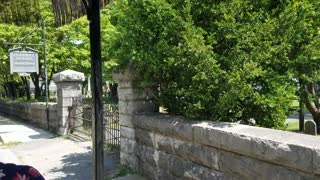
(217,60)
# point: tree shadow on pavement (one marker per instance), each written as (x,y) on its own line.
(78,166)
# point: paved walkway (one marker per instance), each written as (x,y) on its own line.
(13,130)
(55,157)
(295,117)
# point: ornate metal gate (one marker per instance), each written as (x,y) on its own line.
(112,125)
(79,117)
(80,120)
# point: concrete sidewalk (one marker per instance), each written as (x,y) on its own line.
(59,158)
(14,130)
(54,157)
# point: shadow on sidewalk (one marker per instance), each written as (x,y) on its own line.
(78,166)
(13,129)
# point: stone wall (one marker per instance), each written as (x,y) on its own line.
(32,112)
(67,93)
(69,88)
(167,147)
(170,147)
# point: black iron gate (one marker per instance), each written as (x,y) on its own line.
(80,120)
(112,125)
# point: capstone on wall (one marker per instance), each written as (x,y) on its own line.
(171,147)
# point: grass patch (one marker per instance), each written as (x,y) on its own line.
(124,171)
(295,106)
(121,172)
(10,144)
(292,126)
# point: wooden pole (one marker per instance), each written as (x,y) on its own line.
(96,72)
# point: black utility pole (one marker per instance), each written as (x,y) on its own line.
(301,106)
(93,12)
(301,114)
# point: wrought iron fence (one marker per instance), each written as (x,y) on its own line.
(112,125)
(80,120)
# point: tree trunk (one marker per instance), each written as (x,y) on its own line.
(27,87)
(114,92)
(5,86)
(13,88)
(316,119)
(312,103)
(36,82)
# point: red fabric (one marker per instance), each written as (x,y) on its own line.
(18,172)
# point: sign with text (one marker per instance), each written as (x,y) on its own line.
(24,61)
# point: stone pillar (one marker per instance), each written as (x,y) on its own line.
(133,99)
(69,85)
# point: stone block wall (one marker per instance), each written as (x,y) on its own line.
(32,112)
(69,88)
(171,147)
(167,147)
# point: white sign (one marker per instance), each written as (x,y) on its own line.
(24,61)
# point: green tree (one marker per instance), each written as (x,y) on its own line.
(19,12)
(67,46)
(221,60)
(10,83)
(298,34)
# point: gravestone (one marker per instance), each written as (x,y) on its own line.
(89,93)
(310,127)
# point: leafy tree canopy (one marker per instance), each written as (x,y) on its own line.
(67,46)
(19,12)
(220,60)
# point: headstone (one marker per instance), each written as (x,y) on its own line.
(310,127)
(107,87)
(89,88)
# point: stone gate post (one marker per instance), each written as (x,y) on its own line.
(69,85)
(133,99)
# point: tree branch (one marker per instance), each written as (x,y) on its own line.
(315,95)
(312,90)
(88,9)
(312,109)
(85,3)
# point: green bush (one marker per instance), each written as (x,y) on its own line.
(217,60)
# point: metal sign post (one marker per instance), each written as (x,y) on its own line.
(22,61)
(45,69)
